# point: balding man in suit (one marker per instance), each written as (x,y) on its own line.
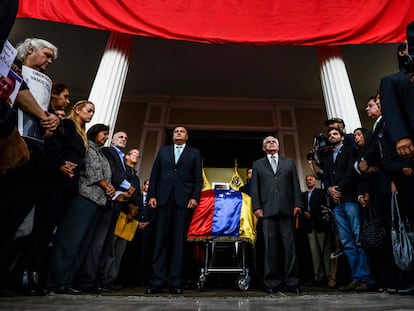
(174,191)
(277,199)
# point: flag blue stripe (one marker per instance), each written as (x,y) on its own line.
(227,210)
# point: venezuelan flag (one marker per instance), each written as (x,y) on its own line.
(223,215)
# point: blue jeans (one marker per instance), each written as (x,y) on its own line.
(348,223)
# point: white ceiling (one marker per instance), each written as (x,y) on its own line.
(160,66)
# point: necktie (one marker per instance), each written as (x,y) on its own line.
(144,198)
(273,163)
(375,126)
(335,153)
(177,152)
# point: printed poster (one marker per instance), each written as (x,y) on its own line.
(7,57)
(40,86)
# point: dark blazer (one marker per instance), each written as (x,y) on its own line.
(317,201)
(343,174)
(133,178)
(372,151)
(397,93)
(119,173)
(275,194)
(182,180)
(8,119)
(65,145)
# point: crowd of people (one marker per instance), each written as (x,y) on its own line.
(60,208)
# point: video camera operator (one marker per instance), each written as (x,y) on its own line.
(322,148)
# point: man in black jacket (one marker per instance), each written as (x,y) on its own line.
(174,191)
(320,231)
(397,95)
(341,182)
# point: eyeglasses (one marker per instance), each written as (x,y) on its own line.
(135,154)
(271,142)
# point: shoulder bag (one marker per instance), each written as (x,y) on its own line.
(13,151)
(372,234)
(402,240)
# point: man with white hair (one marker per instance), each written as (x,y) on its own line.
(276,201)
(36,54)
(21,187)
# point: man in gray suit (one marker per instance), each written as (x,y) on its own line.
(277,200)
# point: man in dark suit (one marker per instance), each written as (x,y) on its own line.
(397,95)
(341,182)
(174,191)
(121,180)
(382,164)
(276,200)
(320,231)
(246,187)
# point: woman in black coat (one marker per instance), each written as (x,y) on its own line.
(64,154)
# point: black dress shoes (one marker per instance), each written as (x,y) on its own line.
(29,284)
(67,290)
(407,291)
(293,289)
(6,293)
(153,290)
(271,290)
(92,290)
(176,291)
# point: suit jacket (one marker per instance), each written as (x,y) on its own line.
(65,145)
(343,174)
(119,173)
(397,93)
(316,202)
(275,194)
(373,153)
(133,178)
(182,180)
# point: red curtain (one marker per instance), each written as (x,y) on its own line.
(256,22)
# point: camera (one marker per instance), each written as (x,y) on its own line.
(320,150)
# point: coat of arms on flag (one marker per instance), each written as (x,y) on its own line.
(236,181)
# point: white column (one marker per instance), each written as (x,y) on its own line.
(106,92)
(337,91)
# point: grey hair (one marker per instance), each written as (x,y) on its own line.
(272,137)
(37,44)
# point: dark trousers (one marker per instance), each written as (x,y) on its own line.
(99,248)
(280,262)
(136,266)
(49,213)
(169,247)
(71,242)
(113,248)
(20,189)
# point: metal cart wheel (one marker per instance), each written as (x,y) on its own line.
(200,286)
(242,283)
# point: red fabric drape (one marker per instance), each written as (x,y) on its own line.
(258,22)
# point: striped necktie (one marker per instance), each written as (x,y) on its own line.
(273,163)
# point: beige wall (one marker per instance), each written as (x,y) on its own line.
(146,118)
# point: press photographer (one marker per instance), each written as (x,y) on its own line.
(322,149)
